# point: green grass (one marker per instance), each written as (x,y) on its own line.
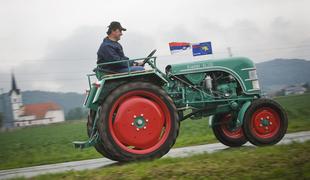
(297,108)
(43,145)
(51,144)
(273,162)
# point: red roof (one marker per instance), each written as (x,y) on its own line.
(40,109)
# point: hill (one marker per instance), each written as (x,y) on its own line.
(279,73)
(66,100)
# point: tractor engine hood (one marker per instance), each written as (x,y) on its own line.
(241,68)
(235,64)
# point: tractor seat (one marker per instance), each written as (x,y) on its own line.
(105,71)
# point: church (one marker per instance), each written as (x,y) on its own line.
(17,114)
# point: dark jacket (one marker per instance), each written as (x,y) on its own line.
(111,51)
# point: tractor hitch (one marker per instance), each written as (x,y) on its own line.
(85,144)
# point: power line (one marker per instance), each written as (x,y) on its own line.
(28,80)
(88,59)
(271,49)
(47,73)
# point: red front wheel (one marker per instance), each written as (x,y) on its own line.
(138,121)
(265,122)
(226,131)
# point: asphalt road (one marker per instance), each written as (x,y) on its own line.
(101,162)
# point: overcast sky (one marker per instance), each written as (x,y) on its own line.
(51,44)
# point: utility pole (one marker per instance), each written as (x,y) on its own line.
(229,52)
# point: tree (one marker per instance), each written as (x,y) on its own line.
(280,93)
(76,114)
(307,86)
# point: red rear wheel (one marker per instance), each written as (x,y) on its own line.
(138,121)
(265,122)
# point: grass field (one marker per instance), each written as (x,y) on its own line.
(273,162)
(51,144)
(298,111)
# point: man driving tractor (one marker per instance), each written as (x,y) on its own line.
(110,50)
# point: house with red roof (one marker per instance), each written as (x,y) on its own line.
(19,114)
(40,113)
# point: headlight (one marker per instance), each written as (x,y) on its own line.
(255,84)
(252,74)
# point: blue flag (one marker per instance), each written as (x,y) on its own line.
(202,48)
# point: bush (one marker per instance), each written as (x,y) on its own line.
(76,114)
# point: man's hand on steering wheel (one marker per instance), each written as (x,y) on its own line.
(146,60)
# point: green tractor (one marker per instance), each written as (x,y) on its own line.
(137,115)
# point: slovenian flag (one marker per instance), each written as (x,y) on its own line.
(179,47)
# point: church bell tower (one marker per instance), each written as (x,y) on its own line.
(16,99)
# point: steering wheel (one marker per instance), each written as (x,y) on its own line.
(147,59)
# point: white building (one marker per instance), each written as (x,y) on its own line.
(294,89)
(30,114)
(39,113)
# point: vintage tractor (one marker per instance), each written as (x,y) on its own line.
(136,115)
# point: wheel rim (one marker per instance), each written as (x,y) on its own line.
(139,122)
(265,122)
(229,129)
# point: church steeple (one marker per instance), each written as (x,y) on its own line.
(14,86)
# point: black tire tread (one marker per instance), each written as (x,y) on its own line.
(218,132)
(98,146)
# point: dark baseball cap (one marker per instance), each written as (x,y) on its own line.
(116,25)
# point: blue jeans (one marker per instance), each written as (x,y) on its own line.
(132,68)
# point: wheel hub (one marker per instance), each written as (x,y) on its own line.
(230,127)
(139,122)
(266,122)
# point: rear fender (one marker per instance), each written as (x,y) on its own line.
(153,77)
(99,90)
(93,94)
